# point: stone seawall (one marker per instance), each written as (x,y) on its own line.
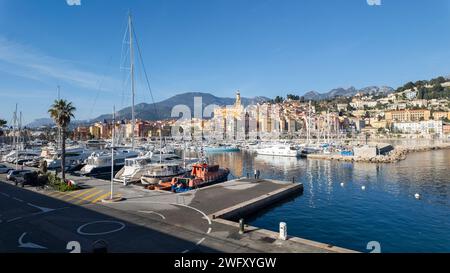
(399,153)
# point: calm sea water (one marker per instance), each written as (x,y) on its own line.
(348,216)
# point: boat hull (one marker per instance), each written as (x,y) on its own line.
(97,171)
(219,179)
(221,150)
(278,154)
(151,180)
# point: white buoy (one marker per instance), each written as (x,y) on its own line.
(363,188)
(342,184)
(417,196)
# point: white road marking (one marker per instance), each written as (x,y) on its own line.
(182,205)
(79,230)
(185,251)
(14,219)
(17,199)
(43,209)
(29,245)
(152,212)
(34,214)
(4,194)
(201,241)
(209,230)
(204,214)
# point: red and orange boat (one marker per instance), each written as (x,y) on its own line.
(202,175)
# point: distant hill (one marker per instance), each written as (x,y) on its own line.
(147,111)
(48,122)
(40,122)
(348,92)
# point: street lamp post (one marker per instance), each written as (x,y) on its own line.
(112,198)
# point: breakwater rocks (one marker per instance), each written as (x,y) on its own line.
(399,153)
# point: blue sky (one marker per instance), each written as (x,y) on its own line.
(261,47)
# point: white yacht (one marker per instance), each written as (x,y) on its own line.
(15,155)
(136,167)
(99,163)
(279,150)
(75,157)
(96,144)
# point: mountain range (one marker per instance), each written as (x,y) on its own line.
(163,109)
(159,110)
(348,92)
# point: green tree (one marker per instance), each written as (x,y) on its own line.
(62,112)
(438,80)
(409,85)
(422,92)
(278,99)
(437,87)
(3,122)
(293,97)
(419,84)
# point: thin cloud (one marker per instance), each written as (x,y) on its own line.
(32,64)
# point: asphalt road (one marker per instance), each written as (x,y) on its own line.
(37,221)
(33,222)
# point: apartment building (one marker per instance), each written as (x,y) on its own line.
(407,115)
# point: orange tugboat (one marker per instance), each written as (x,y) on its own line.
(202,175)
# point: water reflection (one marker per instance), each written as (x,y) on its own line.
(349,216)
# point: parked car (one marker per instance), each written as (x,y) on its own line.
(23,161)
(4,169)
(13,174)
(27,178)
(33,163)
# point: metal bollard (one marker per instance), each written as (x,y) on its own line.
(293,180)
(283,231)
(241,226)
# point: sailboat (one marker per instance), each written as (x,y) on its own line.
(100,163)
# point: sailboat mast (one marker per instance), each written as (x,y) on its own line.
(112,150)
(20,131)
(14,128)
(133,121)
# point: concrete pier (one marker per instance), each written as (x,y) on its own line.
(202,220)
(397,154)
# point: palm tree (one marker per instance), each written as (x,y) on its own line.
(61,112)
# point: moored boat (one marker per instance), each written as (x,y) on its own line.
(202,175)
(221,149)
(279,150)
(161,171)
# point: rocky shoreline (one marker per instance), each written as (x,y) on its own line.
(399,153)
